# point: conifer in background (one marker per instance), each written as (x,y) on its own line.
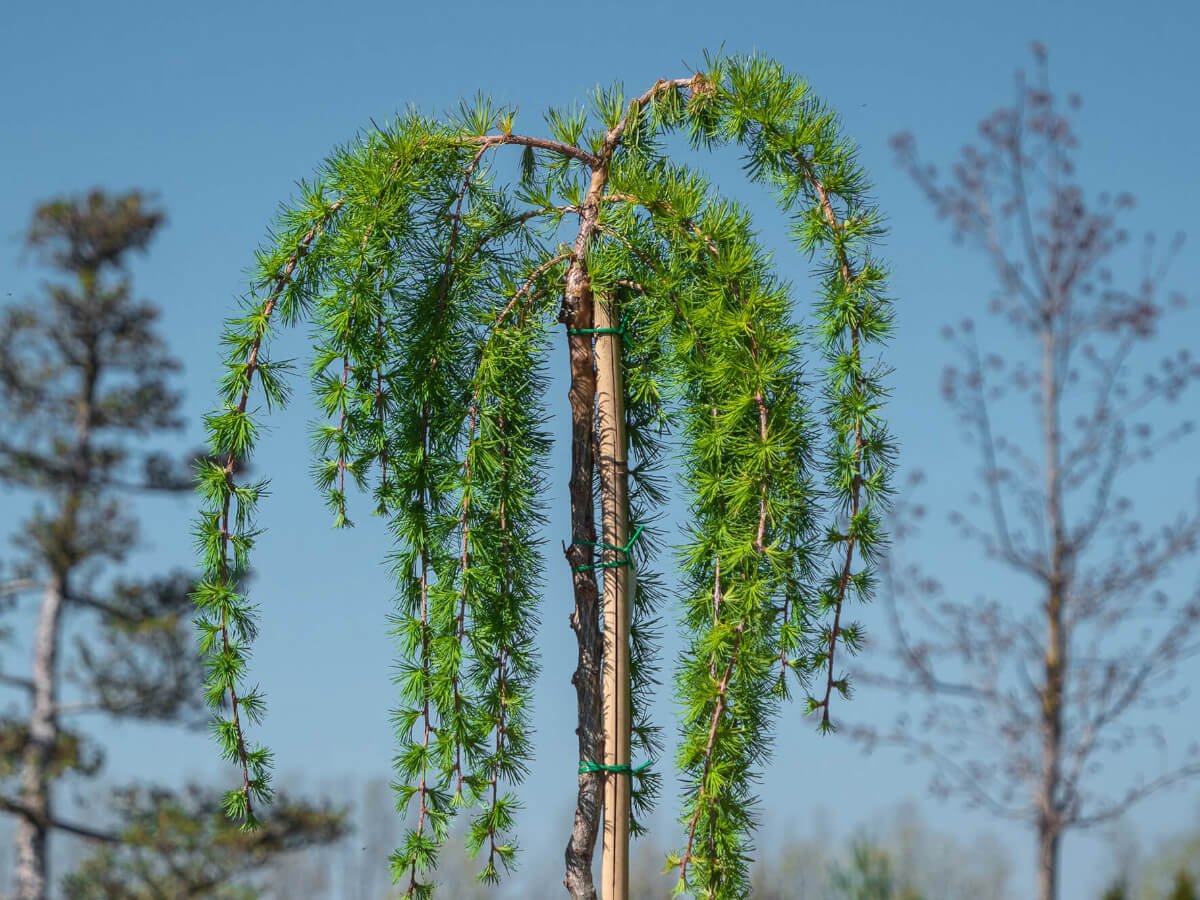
(85,391)
(435,272)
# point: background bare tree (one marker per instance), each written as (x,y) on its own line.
(1026,696)
(84,393)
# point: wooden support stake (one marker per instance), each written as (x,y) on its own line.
(618,592)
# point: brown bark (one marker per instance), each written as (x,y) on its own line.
(577,313)
(1048,843)
(1049,813)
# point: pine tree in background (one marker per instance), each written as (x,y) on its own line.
(433,285)
(84,389)
(180,844)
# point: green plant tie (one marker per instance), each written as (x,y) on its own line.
(587,766)
(619,330)
(596,330)
(612,563)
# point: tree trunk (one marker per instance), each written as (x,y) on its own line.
(33,825)
(1048,843)
(618,589)
(577,314)
(1049,812)
(1054,688)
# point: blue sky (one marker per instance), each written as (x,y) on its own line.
(221,107)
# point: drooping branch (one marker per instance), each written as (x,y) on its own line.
(855,365)
(233,436)
(714,723)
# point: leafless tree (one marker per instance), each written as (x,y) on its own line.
(1024,697)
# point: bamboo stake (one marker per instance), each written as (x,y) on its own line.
(618,589)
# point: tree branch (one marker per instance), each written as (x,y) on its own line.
(591,160)
(19,586)
(16,681)
(19,809)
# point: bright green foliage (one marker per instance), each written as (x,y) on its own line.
(433,286)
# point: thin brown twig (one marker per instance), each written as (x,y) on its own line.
(528,285)
(569,150)
(423,788)
(381,404)
(718,712)
(464,523)
(341,460)
(763,413)
(502,662)
(856,487)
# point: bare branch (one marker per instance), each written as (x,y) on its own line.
(19,586)
(591,160)
(1108,812)
(16,681)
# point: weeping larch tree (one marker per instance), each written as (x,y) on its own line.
(434,286)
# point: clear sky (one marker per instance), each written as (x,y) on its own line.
(220,107)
